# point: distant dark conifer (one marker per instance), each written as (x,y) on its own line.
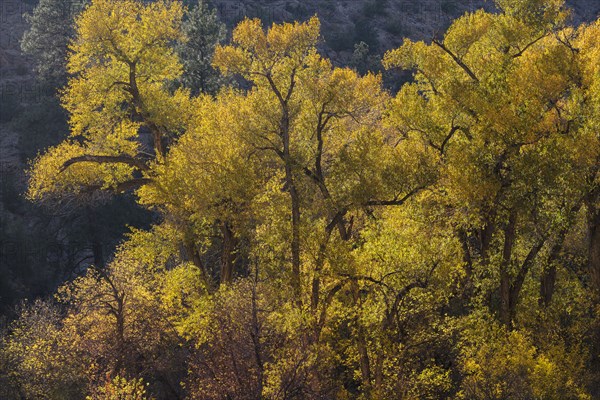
(204,31)
(46,40)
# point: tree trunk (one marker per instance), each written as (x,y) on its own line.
(361,344)
(505,297)
(118,311)
(255,335)
(548,278)
(227,253)
(594,249)
(295,243)
(485,239)
(193,256)
(365,368)
(316,283)
(295,204)
(95,241)
(517,284)
(467,282)
(286,157)
(120,331)
(547,284)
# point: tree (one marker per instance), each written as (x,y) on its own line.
(319,238)
(52,28)
(492,369)
(507,136)
(204,31)
(207,184)
(228,176)
(48,37)
(312,113)
(39,364)
(115,319)
(277,58)
(122,115)
(319,130)
(132,118)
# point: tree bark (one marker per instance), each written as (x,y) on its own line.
(193,256)
(547,284)
(118,311)
(120,320)
(594,248)
(157,132)
(295,205)
(361,344)
(255,335)
(285,155)
(227,253)
(548,278)
(509,238)
(517,284)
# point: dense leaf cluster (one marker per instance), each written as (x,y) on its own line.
(320,237)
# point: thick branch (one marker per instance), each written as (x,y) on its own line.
(515,288)
(396,201)
(121,159)
(505,286)
(528,45)
(457,60)
(448,137)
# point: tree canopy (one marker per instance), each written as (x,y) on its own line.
(318,236)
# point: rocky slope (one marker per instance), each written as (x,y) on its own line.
(381,22)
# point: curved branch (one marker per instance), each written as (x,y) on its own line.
(448,137)
(122,159)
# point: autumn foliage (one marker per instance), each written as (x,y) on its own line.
(318,236)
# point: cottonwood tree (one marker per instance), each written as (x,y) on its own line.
(511,144)
(518,165)
(287,173)
(123,113)
(116,321)
(320,238)
(315,120)
(52,28)
(118,92)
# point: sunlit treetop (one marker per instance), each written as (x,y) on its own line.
(495,96)
(540,14)
(122,114)
(272,54)
(123,54)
